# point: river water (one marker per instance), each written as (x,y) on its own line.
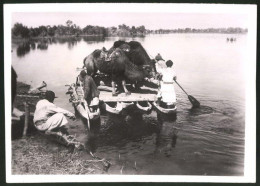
(204,141)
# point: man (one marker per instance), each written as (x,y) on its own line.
(89,87)
(158,57)
(88,105)
(160,63)
(48,117)
(14,84)
(167,91)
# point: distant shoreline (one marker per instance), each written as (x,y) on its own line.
(72,30)
(47,37)
(100,35)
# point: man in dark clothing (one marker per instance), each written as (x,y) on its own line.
(89,87)
(13,83)
(89,106)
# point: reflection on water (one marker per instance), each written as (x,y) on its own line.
(23,49)
(42,46)
(166,137)
(33,45)
(71,41)
(93,39)
(119,130)
(43,43)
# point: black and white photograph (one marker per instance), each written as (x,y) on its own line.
(130,92)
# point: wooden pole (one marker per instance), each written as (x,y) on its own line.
(28,96)
(26,118)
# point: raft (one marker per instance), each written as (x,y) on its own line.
(143,95)
(111,107)
(142,100)
(163,110)
(144,106)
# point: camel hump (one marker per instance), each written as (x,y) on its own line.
(89,62)
(118,43)
(96,53)
(84,60)
(134,44)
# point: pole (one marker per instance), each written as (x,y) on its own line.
(26,118)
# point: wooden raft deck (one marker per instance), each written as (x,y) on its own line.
(145,94)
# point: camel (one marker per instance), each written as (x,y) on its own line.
(123,61)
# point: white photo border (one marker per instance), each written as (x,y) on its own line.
(250,115)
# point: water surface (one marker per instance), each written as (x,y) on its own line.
(204,141)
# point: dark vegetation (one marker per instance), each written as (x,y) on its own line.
(229,30)
(70,29)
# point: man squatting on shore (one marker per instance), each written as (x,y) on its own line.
(49,117)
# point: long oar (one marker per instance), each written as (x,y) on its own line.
(194,102)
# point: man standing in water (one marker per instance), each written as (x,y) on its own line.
(167,91)
(89,87)
(91,97)
(89,108)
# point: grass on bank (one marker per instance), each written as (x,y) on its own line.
(39,155)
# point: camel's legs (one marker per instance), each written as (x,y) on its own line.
(113,88)
(125,89)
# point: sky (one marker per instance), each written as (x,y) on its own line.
(151,15)
(149,20)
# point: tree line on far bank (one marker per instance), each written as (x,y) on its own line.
(70,29)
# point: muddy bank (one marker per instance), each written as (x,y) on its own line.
(36,153)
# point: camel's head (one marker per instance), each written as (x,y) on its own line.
(148,71)
(125,47)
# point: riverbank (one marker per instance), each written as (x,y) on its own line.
(37,154)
